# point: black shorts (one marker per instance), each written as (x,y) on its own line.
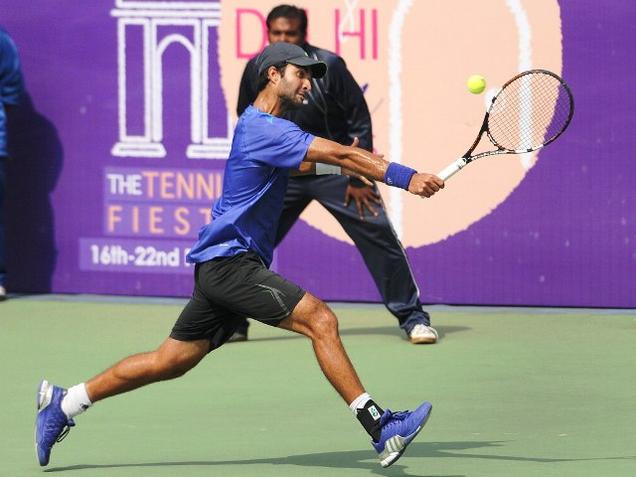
(229,289)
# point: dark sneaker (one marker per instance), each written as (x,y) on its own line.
(51,424)
(398,429)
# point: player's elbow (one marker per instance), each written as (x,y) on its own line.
(329,152)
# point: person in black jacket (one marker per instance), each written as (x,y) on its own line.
(336,110)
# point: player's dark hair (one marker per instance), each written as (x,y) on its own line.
(290,12)
(263,78)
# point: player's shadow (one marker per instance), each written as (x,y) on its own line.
(32,173)
(442,331)
(359,459)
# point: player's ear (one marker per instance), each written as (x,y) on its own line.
(273,74)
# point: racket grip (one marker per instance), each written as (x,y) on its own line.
(452,169)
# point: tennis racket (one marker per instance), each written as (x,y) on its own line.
(531,111)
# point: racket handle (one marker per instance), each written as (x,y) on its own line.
(452,169)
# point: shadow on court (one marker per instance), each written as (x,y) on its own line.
(359,459)
(442,331)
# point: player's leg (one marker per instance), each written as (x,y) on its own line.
(383,255)
(313,318)
(271,299)
(296,200)
(57,406)
(275,301)
(266,296)
(171,360)
(201,327)
(390,432)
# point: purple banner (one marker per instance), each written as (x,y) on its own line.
(120,145)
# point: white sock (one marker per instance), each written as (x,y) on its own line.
(359,402)
(76,401)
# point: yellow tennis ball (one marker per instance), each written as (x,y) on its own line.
(476,84)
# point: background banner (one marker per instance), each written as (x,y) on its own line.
(119,148)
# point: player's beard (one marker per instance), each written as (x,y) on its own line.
(288,98)
(287,104)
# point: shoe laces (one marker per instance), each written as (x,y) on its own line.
(401,415)
(392,418)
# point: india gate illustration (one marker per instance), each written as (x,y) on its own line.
(145,29)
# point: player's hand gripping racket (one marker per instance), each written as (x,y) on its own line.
(530,111)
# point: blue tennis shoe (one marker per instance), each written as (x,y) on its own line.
(398,429)
(51,424)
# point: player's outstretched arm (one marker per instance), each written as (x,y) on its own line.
(373,166)
(317,168)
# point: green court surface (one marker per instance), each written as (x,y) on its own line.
(516,392)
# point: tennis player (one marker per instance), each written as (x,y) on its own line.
(232,255)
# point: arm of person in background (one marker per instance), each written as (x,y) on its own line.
(11,84)
(351,101)
(373,166)
(11,80)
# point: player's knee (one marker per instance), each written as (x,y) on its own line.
(323,323)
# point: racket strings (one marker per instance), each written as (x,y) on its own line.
(532,110)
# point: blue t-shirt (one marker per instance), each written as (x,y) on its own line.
(246,215)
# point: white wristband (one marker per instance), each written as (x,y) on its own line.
(322,169)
